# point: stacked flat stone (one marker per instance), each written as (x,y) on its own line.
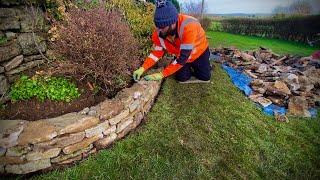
(27,147)
(24,42)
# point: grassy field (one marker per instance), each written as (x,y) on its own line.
(249,42)
(209,131)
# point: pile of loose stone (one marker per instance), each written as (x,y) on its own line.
(287,81)
(29,146)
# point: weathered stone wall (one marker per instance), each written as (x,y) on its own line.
(36,145)
(21,49)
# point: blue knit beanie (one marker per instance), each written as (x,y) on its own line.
(165,14)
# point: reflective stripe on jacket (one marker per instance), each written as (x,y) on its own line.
(191,36)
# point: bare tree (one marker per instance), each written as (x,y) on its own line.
(315,4)
(202,8)
(194,7)
(300,7)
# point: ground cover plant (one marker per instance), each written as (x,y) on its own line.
(53,88)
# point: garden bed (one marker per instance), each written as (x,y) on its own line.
(73,136)
(35,109)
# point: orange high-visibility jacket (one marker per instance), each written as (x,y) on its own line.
(191,36)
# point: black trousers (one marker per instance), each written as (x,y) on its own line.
(200,68)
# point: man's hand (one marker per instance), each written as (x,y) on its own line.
(154,77)
(137,74)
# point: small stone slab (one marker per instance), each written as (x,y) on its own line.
(47,154)
(298,106)
(7,12)
(73,123)
(10,35)
(61,141)
(121,126)
(70,139)
(110,130)
(37,131)
(10,51)
(126,96)
(30,21)
(15,62)
(28,45)
(25,66)
(32,58)
(62,158)
(5,160)
(86,154)
(18,151)
(97,130)
(137,119)
(134,105)
(105,142)
(115,120)
(109,108)
(124,132)
(4,85)
(281,86)
(28,167)
(260,100)
(83,144)
(146,108)
(9,23)
(71,160)
(10,131)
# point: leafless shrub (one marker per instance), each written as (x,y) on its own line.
(98,45)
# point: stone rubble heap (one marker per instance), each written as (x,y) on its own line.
(287,81)
(36,145)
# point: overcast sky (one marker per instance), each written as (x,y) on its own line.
(242,6)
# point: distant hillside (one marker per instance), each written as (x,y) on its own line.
(241,15)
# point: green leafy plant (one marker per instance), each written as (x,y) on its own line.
(216,26)
(84,4)
(3,40)
(2,106)
(174,2)
(56,8)
(139,16)
(53,88)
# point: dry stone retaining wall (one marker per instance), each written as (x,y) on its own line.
(21,51)
(27,147)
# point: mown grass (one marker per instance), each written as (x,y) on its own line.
(207,131)
(224,39)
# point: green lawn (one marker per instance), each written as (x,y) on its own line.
(208,131)
(249,42)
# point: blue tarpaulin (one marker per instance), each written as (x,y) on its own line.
(242,81)
(273,109)
(239,79)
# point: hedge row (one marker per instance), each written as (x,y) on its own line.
(299,29)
